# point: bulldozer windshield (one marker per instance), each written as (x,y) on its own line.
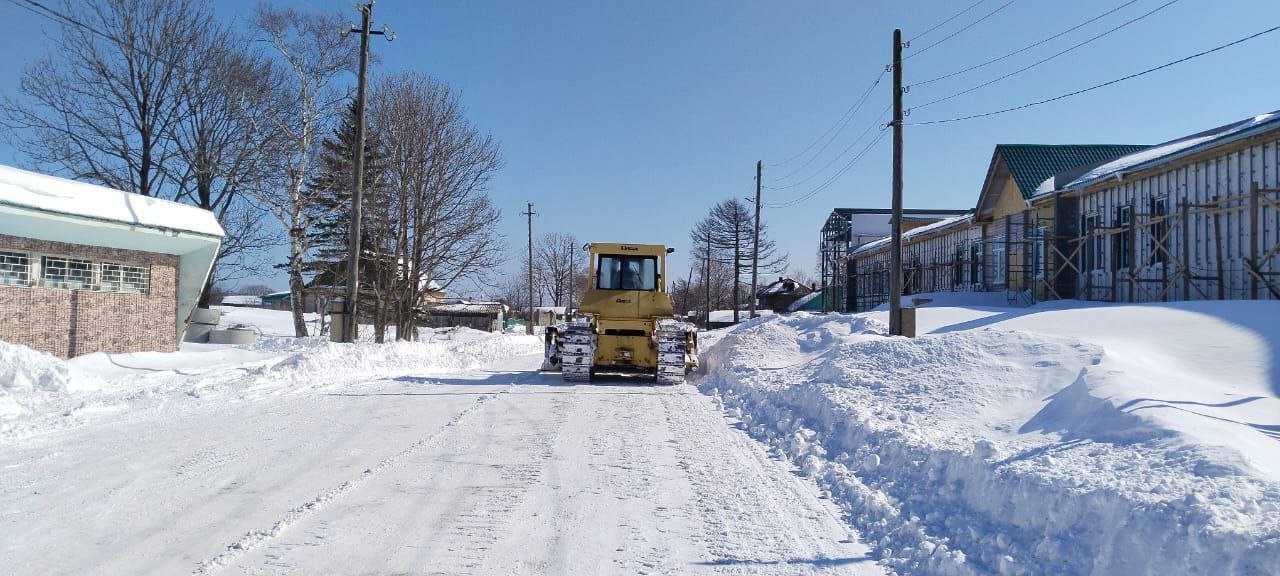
(616,272)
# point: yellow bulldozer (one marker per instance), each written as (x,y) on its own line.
(626,321)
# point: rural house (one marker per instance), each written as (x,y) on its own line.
(84,268)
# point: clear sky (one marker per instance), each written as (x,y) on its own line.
(625,121)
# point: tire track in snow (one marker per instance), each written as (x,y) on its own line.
(256,538)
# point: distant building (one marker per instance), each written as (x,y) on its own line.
(84,268)
(487,316)
(242,301)
(781,294)
(845,230)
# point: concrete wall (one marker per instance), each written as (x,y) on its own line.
(69,323)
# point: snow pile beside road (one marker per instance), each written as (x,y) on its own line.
(29,380)
(1051,448)
(40,393)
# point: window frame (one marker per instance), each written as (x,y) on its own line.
(623,258)
(9,276)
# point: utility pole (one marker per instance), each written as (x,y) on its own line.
(357,187)
(755,245)
(528,327)
(706,284)
(895,264)
(572,279)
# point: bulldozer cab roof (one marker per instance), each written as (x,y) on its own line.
(637,249)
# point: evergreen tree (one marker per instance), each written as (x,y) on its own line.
(330,213)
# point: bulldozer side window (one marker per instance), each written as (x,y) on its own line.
(627,272)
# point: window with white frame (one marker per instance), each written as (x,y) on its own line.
(57,272)
(997,261)
(1041,237)
(15,268)
(123,278)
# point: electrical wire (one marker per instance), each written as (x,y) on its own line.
(840,124)
(1047,58)
(838,156)
(1027,47)
(858,106)
(836,176)
(60,18)
(961,30)
(1102,85)
(944,22)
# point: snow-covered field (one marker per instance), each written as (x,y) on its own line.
(1059,439)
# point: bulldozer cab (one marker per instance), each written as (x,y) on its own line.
(627,281)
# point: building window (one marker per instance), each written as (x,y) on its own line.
(122,278)
(69,273)
(975,263)
(15,269)
(1041,237)
(997,261)
(1124,238)
(1160,229)
(1092,243)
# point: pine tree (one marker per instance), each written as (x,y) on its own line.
(330,214)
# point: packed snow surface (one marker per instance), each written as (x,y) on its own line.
(1059,439)
(63,196)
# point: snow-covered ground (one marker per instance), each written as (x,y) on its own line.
(1060,439)
(448,456)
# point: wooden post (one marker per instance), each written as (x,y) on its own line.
(1253,239)
(1185,222)
(895,281)
(1132,241)
(1217,246)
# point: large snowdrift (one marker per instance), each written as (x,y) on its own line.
(1058,439)
(41,393)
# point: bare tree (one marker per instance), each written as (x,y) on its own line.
(309,57)
(437,168)
(554,254)
(218,141)
(729,230)
(102,105)
(254,290)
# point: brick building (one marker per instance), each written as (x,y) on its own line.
(85,268)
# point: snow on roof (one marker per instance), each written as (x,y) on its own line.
(62,196)
(935,227)
(553,309)
(242,300)
(431,286)
(1168,151)
(800,303)
(727,315)
(466,307)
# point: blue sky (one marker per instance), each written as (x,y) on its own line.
(626,121)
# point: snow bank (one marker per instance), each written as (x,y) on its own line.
(985,449)
(40,393)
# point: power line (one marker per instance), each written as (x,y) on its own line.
(944,22)
(837,175)
(1027,47)
(958,32)
(837,157)
(1104,84)
(857,106)
(840,123)
(1048,58)
(60,18)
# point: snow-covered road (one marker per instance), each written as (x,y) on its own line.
(501,471)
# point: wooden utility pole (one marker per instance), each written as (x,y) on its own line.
(572,279)
(706,284)
(357,186)
(528,327)
(895,264)
(755,245)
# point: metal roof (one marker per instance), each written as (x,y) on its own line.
(1031,164)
